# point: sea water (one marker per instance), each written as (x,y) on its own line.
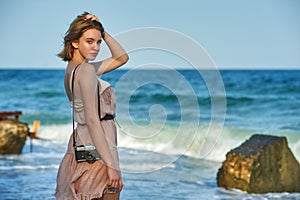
(175,128)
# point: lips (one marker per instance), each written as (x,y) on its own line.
(94,54)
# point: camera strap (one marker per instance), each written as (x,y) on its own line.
(73,99)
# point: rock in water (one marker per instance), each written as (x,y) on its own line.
(12,136)
(262,164)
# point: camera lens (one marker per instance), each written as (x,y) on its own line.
(90,157)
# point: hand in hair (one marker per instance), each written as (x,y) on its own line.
(92,17)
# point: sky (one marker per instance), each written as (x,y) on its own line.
(239,34)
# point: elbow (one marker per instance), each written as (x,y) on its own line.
(91,122)
(124,58)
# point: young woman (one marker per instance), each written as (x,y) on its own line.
(102,178)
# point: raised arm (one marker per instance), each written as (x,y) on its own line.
(118,56)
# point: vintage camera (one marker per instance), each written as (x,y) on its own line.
(86,153)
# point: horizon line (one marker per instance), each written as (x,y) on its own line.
(176,68)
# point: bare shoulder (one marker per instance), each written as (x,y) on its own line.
(86,70)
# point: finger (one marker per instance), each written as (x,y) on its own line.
(121,185)
(88,16)
(113,183)
(96,18)
(110,182)
(116,183)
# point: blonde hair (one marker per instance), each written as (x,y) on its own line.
(79,25)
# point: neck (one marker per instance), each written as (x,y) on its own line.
(78,58)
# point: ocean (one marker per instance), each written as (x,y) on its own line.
(175,128)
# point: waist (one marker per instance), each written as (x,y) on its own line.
(108,117)
(105,118)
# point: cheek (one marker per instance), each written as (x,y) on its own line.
(84,48)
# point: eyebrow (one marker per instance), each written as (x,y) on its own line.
(93,39)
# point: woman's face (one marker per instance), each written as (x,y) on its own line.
(89,44)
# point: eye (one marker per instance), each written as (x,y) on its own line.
(89,41)
(99,42)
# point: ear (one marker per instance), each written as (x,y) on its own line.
(75,44)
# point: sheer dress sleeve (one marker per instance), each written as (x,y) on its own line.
(104,144)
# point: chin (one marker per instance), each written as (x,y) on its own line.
(91,59)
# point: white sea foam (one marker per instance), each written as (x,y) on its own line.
(56,133)
(28,167)
(172,140)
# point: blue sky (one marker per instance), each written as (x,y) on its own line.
(235,33)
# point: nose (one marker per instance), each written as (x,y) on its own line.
(96,46)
